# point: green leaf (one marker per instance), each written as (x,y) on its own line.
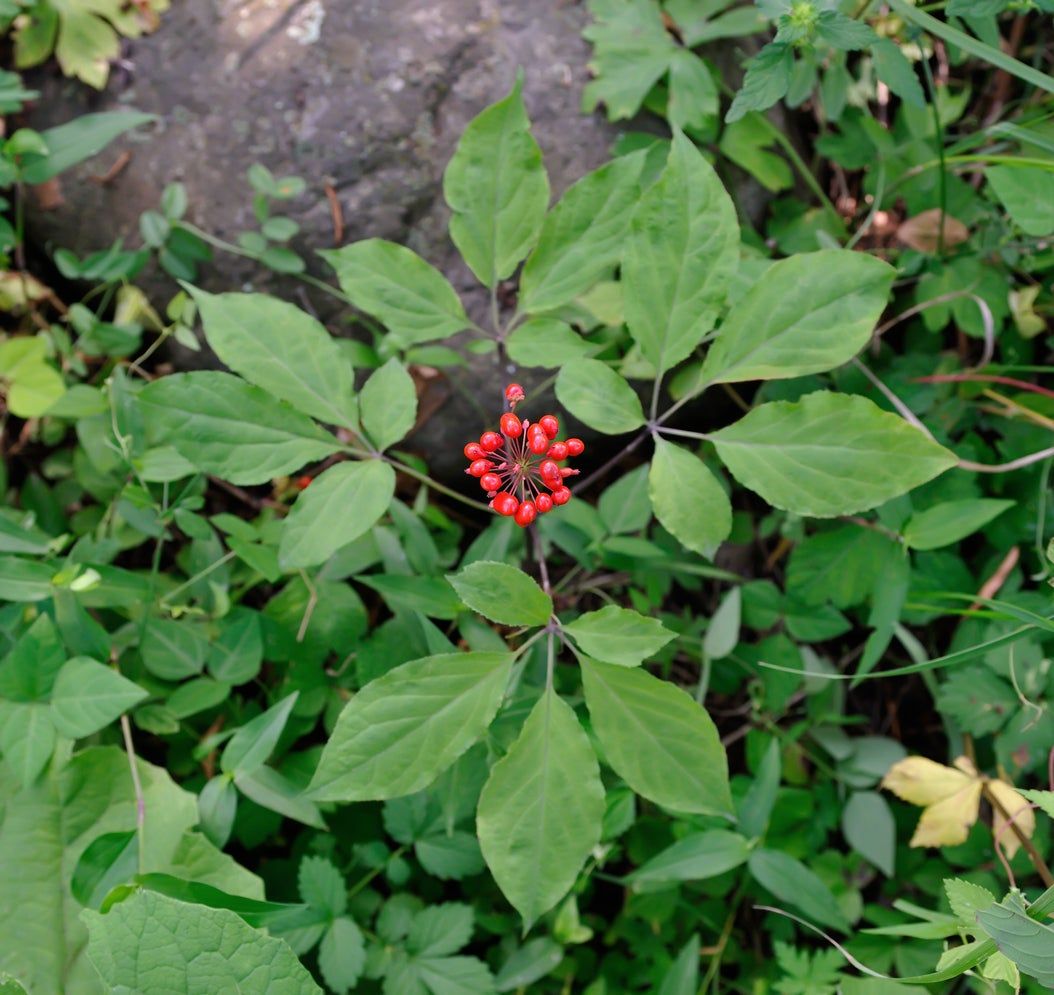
(722,632)
(631,52)
(405,728)
(273,790)
(693,99)
(977,699)
(681,251)
(280,349)
(625,506)
(45,829)
(541,809)
(967,899)
(9,986)
(342,955)
(250,747)
(342,503)
(806,314)
(502,593)
(688,501)
(950,521)
(695,857)
(794,884)
(497,189)
(1028,943)
(28,672)
(869,828)
(828,454)
(33,385)
(388,404)
(173,650)
(843,32)
(226,427)
(767,79)
(109,860)
(27,738)
(398,288)
(88,696)
(893,68)
(1027,193)
(546,342)
(582,237)
(217,807)
(842,565)
(755,807)
(193,948)
(683,976)
(322,886)
(595,394)
(80,139)
(657,739)
(1044,799)
(618,635)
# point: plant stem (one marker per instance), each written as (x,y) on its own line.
(137,787)
(434,484)
(1033,854)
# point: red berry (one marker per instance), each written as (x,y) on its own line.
(537,441)
(544,503)
(558,451)
(474,451)
(549,470)
(505,503)
(550,425)
(511,425)
(490,481)
(568,472)
(302,483)
(479,467)
(576,447)
(514,394)
(489,442)
(526,513)
(561,495)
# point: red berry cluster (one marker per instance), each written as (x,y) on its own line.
(513,467)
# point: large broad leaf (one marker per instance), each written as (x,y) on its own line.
(618,635)
(388,404)
(595,394)
(341,504)
(226,427)
(806,314)
(404,729)
(541,809)
(1027,193)
(80,139)
(687,499)
(1027,942)
(657,738)
(582,236)
(680,253)
(828,454)
(88,696)
(278,347)
(793,883)
(395,285)
(496,186)
(44,830)
(502,593)
(150,941)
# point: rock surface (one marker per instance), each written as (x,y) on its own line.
(368,96)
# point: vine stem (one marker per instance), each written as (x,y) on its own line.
(539,555)
(137,787)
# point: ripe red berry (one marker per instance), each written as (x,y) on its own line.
(544,503)
(511,425)
(568,472)
(302,483)
(575,447)
(514,394)
(526,513)
(505,503)
(550,425)
(479,467)
(537,440)
(549,471)
(474,451)
(558,451)
(561,495)
(490,481)
(489,442)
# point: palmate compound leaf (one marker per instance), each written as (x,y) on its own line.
(404,729)
(828,454)
(541,809)
(657,739)
(152,943)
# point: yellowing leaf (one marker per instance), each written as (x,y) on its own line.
(948,822)
(923,782)
(1019,810)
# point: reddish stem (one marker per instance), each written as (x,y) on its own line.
(984,378)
